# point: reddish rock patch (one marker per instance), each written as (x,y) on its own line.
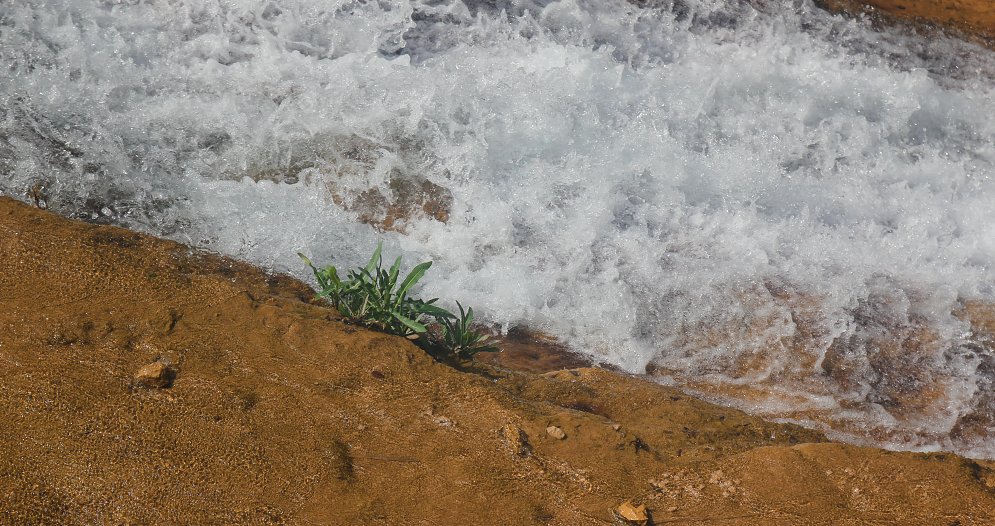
(971,19)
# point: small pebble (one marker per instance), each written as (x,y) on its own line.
(556,432)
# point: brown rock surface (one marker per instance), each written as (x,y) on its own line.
(277,419)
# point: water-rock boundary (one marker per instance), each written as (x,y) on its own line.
(277,412)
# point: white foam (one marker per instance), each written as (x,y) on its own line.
(636,181)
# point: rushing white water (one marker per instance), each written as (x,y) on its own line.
(757,201)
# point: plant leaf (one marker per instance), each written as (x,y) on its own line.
(413,277)
(375,259)
(332,275)
(409,323)
(306,260)
(317,273)
(438,312)
(395,269)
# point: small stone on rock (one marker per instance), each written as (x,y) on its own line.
(155,375)
(632,514)
(556,432)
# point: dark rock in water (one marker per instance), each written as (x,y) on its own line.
(408,198)
(343,164)
(529,350)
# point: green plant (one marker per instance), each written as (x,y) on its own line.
(372,296)
(328,281)
(459,339)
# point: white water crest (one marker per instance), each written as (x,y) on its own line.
(757,201)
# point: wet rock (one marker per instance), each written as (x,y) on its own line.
(972,20)
(628,513)
(155,375)
(344,163)
(525,349)
(556,432)
(408,197)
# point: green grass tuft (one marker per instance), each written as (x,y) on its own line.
(374,297)
(459,339)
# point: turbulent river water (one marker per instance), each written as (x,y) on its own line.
(781,209)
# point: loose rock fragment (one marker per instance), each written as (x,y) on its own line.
(443,421)
(629,513)
(155,375)
(556,432)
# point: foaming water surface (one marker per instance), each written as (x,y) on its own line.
(775,207)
